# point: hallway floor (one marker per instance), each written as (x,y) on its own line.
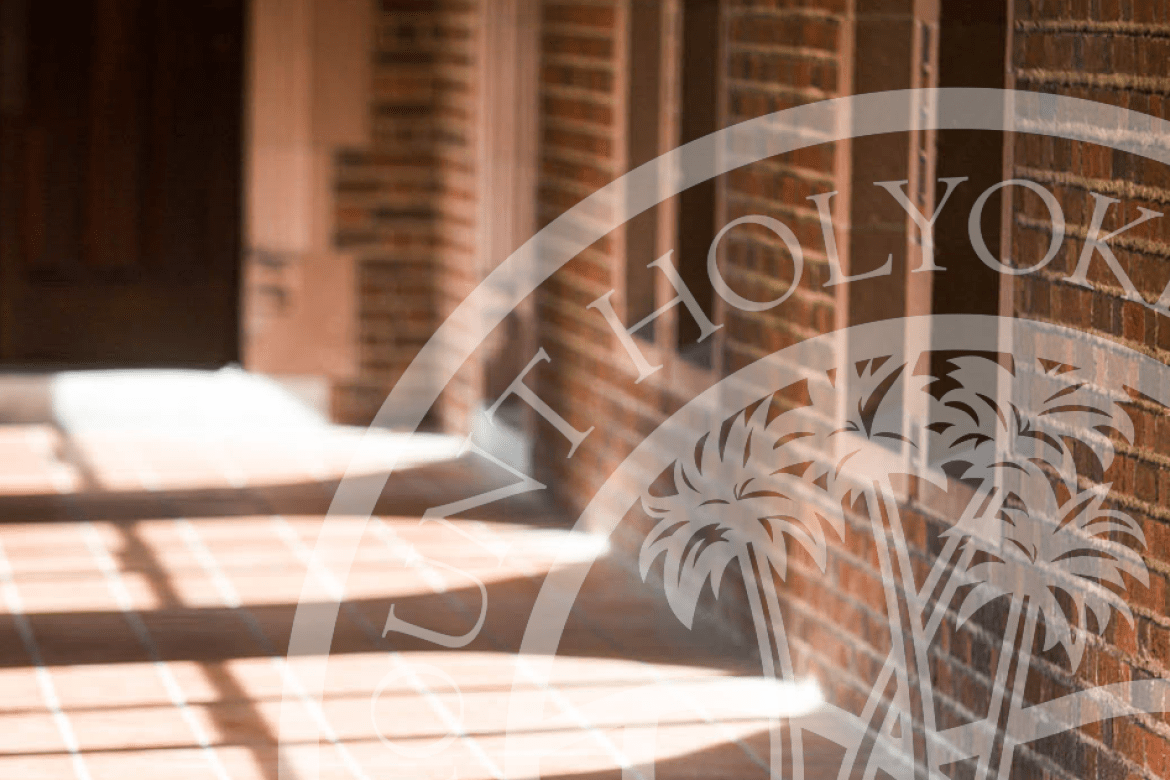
(150,577)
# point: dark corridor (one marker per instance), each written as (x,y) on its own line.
(120,182)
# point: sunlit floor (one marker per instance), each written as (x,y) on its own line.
(151,566)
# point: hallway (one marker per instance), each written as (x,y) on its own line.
(153,555)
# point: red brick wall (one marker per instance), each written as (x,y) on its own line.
(580,116)
(776,58)
(779,56)
(407,204)
(456,104)
(583,124)
(1114,53)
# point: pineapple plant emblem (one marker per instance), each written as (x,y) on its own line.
(1038,553)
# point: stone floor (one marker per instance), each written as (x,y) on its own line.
(150,576)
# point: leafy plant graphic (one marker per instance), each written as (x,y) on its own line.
(869,448)
(996,442)
(1059,564)
(1008,450)
(737,500)
(1029,533)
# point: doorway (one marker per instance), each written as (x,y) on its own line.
(120,182)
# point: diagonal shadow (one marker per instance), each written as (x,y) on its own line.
(614,616)
(601,624)
(407,493)
(728,761)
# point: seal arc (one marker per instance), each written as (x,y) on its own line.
(522,272)
(653,454)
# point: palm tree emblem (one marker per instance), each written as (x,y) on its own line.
(1056,564)
(738,499)
(759,482)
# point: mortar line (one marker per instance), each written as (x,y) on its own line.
(44,677)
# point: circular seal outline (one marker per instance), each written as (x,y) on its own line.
(538,258)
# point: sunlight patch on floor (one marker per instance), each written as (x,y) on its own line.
(133,430)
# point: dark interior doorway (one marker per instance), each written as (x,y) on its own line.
(120,181)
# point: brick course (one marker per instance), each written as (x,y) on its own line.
(1110,53)
(407,204)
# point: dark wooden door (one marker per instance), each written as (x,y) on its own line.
(120,182)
